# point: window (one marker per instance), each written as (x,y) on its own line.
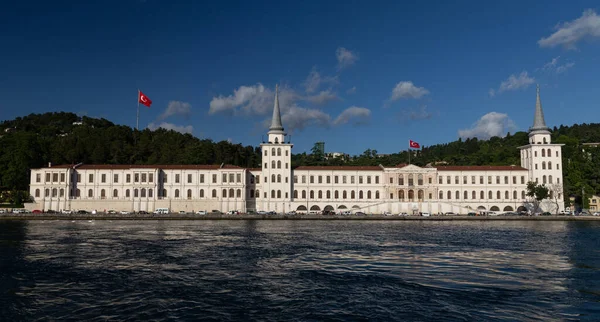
(189,193)
(202,178)
(473,195)
(278,178)
(257,193)
(506,195)
(335,179)
(295,194)
(352,194)
(369,194)
(457,195)
(515,194)
(91,178)
(320,194)
(143,192)
(266,180)
(312,179)
(230,193)
(189,178)
(440,180)
(466,195)
(448,179)
(136,177)
(377,194)
(143,177)
(523,194)
(456,180)
(127,194)
(150,193)
(352,179)
(328,194)
(550,179)
(115,193)
(238,177)
(176,193)
(336,195)
(116,178)
(368,179)
(295,179)
(47,177)
(273,151)
(62,177)
(320,179)
(273,164)
(505,179)
(37,192)
(420,179)
(464,179)
(543,152)
(401,194)
(490,195)
(391,179)
(257,179)
(410,180)
(224,177)
(522,179)
(151,177)
(514,180)
(489,179)
(279,151)
(481,195)
(47,193)
(344,179)
(231,177)
(303,194)
(449,195)
(177,178)
(265,152)
(135,193)
(543,164)
(328,179)
(286,165)
(55,177)
(286,153)
(441,196)
(544,179)
(481,180)
(376,179)
(344,194)
(498,195)
(214,178)
(273,178)
(535,153)
(266,165)
(360,195)
(473,181)
(128,178)
(549,165)
(214,192)
(90,193)
(312,194)
(401,180)
(286,179)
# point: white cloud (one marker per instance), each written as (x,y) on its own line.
(322,98)
(297,118)
(314,80)
(569,33)
(554,66)
(489,125)
(359,114)
(252,100)
(406,89)
(170,126)
(513,83)
(351,90)
(176,108)
(345,57)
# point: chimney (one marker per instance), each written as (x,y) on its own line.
(49,164)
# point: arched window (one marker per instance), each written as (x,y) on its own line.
(312,194)
(54,192)
(481,195)
(278,164)
(189,194)
(328,194)
(47,193)
(273,164)
(273,151)
(352,194)
(377,194)
(411,195)
(543,152)
(150,193)
(515,194)
(279,194)
(295,193)
(202,193)
(276,140)
(401,180)
(466,195)
(490,195)
(449,195)
(273,178)
(61,193)
(420,180)
(257,193)
(37,192)
(90,193)
(286,153)
(543,164)
(344,194)
(176,193)
(369,194)
(231,195)
(143,192)
(420,195)
(535,154)
(115,193)
(549,165)
(523,194)
(401,194)
(457,194)
(77,193)
(410,180)
(320,194)
(278,178)
(279,151)
(506,195)
(127,194)
(473,195)
(136,193)
(550,179)
(336,195)
(441,196)
(360,195)
(273,194)
(214,193)
(303,194)
(544,179)
(498,195)
(549,153)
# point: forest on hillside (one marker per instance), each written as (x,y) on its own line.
(34,140)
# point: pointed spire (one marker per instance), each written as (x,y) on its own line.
(539,124)
(276,125)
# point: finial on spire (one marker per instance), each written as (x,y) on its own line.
(539,124)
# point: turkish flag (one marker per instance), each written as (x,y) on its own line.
(413,144)
(142,98)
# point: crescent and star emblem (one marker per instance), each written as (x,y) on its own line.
(143,98)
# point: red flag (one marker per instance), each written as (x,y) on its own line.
(414,145)
(142,98)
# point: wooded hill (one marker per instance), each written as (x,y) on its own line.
(34,140)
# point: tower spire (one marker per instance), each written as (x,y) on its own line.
(276,126)
(539,124)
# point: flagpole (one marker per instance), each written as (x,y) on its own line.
(408,152)
(137,120)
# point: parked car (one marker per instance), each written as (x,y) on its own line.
(81,212)
(387,213)
(37,211)
(201,212)
(66,211)
(123,212)
(360,213)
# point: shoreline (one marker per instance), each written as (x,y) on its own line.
(133,217)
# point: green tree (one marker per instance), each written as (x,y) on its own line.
(537,193)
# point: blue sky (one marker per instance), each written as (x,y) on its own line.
(357,75)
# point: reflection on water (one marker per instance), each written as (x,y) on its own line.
(291,270)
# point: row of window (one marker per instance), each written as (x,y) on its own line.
(481,180)
(143,177)
(50,177)
(482,195)
(278,151)
(137,193)
(547,180)
(545,153)
(336,179)
(276,165)
(549,165)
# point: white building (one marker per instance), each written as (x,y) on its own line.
(277,187)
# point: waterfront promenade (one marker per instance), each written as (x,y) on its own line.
(103,216)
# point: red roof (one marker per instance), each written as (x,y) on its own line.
(480,168)
(340,168)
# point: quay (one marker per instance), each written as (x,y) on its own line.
(57,216)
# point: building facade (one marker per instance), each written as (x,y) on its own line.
(277,187)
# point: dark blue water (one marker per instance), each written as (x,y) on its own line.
(299,271)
